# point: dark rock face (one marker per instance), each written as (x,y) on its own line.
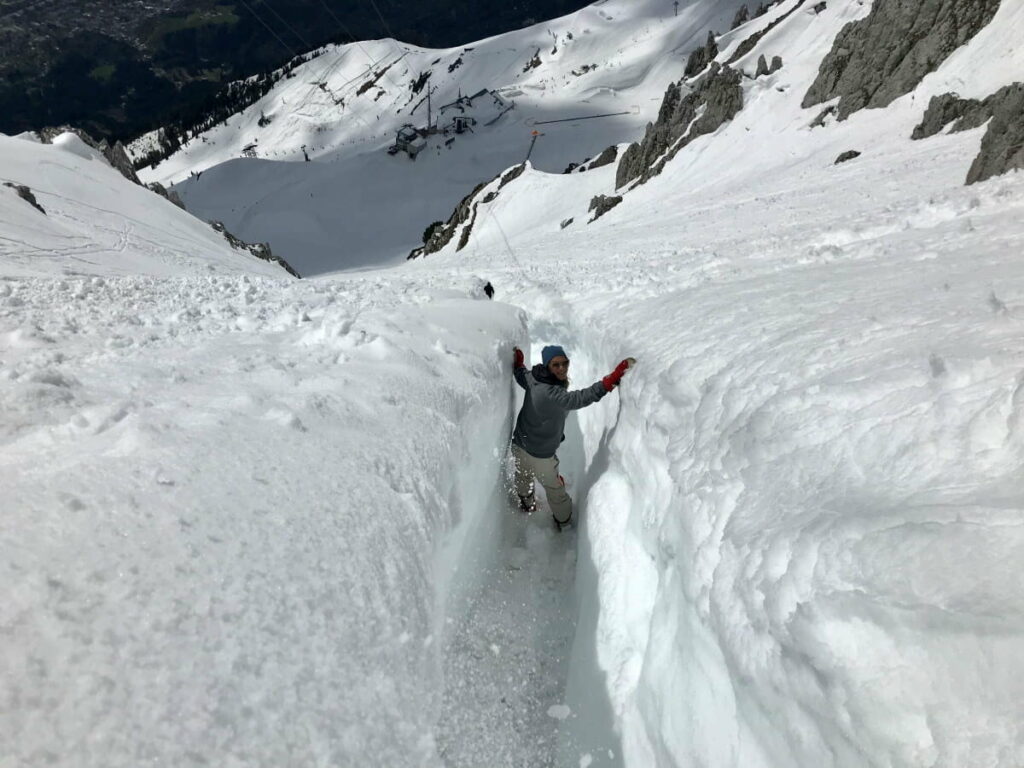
(601,204)
(719,91)
(762,66)
(819,121)
(776,65)
(26,194)
(115,155)
(607,157)
(259,250)
(876,60)
(1002,148)
(442,235)
(943,110)
(850,154)
(748,45)
(701,57)
(511,175)
(464,213)
(967,113)
(118,158)
(742,17)
(165,193)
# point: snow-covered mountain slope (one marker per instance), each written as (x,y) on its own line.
(90,220)
(804,540)
(354,205)
(256,522)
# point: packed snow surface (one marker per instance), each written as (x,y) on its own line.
(254,521)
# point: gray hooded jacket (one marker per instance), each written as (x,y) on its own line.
(541,422)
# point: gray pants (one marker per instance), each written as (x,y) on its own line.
(546,473)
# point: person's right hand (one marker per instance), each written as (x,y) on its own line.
(520,361)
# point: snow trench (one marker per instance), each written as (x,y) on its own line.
(517,599)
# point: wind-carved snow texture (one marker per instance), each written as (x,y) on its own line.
(1002,148)
(885,55)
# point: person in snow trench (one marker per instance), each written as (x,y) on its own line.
(539,428)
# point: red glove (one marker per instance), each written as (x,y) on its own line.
(612,379)
(520,361)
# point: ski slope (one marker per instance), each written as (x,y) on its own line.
(95,222)
(256,521)
(328,215)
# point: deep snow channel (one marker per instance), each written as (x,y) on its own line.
(522,686)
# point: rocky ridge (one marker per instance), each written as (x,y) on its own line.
(715,99)
(885,55)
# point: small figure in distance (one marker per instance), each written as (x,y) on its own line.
(489,290)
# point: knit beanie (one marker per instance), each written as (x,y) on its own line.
(550,353)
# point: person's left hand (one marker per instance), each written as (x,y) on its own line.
(519,361)
(612,379)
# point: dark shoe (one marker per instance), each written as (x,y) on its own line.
(559,525)
(528,504)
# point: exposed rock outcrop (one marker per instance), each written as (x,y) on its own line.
(607,157)
(442,235)
(168,194)
(511,175)
(846,156)
(748,45)
(26,194)
(886,54)
(701,57)
(116,155)
(464,216)
(259,250)
(776,65)
(1002,147)
(742,17)
(715,100)
(601,204)
(762,66)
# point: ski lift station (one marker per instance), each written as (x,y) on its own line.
(483,107)
(458,117)
(408,140)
